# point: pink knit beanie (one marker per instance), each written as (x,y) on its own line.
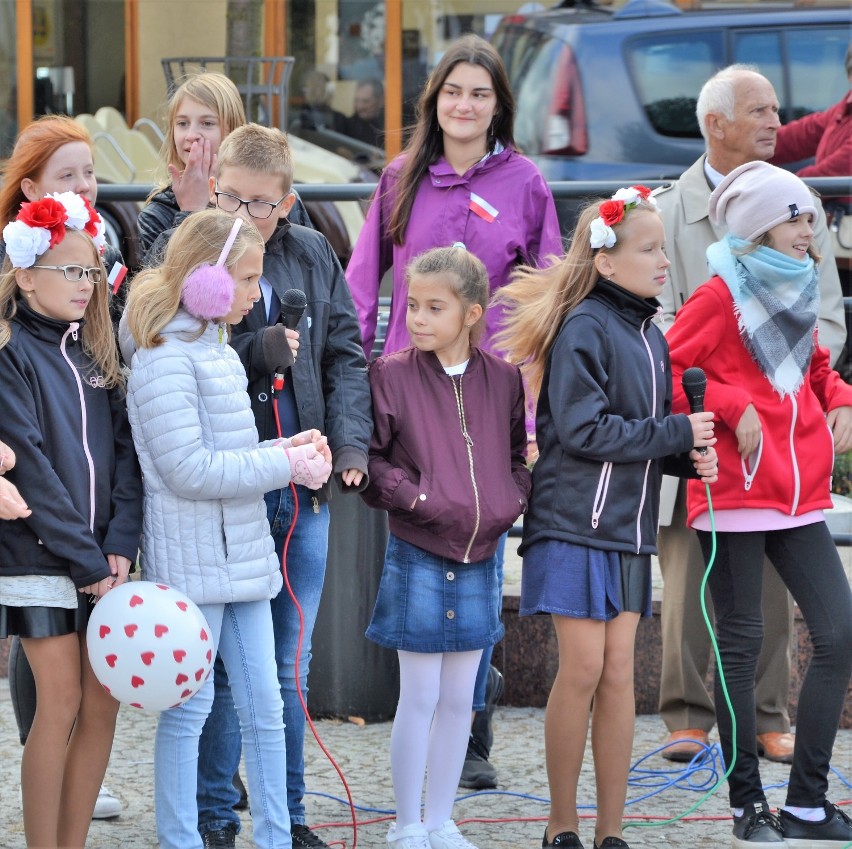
(758,196)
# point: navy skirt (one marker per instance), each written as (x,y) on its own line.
(584,583)
(430,604)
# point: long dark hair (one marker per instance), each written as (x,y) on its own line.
(426,143)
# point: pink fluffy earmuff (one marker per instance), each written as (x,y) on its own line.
(208,291)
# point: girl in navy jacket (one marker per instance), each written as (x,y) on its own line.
(64,418)
(599,367)
(447,463)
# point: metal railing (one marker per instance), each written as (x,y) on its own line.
(826,186)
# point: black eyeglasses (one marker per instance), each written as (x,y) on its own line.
(256,208)
(74,273)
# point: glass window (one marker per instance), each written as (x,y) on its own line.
(804,66)
(8,74)
(536,93)
(668,71)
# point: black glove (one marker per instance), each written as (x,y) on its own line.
(276,348)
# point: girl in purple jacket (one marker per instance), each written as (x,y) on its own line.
(447,463)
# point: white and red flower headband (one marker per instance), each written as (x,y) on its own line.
(42,224)
(612,212)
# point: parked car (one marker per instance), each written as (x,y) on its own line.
(605,93)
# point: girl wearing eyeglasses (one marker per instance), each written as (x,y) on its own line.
(65,422)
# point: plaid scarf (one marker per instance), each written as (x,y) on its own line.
(776,301)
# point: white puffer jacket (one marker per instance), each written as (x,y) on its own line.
(205,531)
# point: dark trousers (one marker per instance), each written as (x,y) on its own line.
(808,563)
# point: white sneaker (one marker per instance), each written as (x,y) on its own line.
(448,836)
(107,806)
(413,836)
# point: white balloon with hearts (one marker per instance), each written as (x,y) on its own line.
(149,645)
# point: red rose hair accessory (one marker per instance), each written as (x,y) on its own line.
(208,291)
(42,225)
(612,212)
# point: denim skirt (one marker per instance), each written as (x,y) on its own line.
(585,583)
(427,603)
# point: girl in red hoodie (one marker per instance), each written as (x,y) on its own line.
(781,414)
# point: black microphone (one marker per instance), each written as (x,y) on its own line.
(694,383)
(293,304)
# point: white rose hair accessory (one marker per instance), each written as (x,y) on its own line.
(208,291)
(42,224)
(612,211)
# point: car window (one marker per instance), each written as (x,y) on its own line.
(805,66)
(668,70)
(536,93)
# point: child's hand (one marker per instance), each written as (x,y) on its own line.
(309,466)
(120,568)
(280,346)
(707,465)
(7,458)
(12,506)
(840,421)
(702,429)
(748,432)
(352,477)
(192,185)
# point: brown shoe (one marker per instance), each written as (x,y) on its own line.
(683,746)
(776,746)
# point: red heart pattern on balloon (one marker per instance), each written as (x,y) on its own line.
(181,605)
(159,630)
(104,630)
(179,655)
(181,679)
(134,600)
(147,657)
(111,659)
(136,681)
(130,630)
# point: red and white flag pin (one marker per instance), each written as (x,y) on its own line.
(482,208)
(116,276)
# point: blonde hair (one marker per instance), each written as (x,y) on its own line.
(215,91)
(155,295)
(262,150)
(97,334)
(537,300)
(465,274)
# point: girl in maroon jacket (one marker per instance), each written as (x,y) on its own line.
(781,415)
(447,463)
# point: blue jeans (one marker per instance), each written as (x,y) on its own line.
(219,750)
(243,634)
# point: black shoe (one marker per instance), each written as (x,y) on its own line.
(834,831)
(565,839)
(221,838)
(242,804)
(478,773)
(304,838)
(757,825)
(610,843)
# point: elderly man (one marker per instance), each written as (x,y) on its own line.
(738,115)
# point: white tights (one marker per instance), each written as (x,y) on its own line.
(430,733)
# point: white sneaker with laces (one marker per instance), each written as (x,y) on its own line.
(413,836)
(448,836)
(107,806)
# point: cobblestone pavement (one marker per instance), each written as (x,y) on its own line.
(511,818)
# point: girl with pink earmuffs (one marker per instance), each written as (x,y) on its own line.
(205,530)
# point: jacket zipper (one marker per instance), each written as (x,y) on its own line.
(653,413)
(797,480)
(72,331)
(457,390)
